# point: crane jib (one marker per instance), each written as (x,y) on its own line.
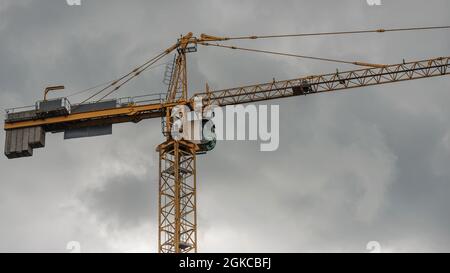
(177,222)
(26,129)
(329,82)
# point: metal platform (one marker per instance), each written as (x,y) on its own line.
(20,142)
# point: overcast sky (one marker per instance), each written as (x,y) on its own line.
(369,164)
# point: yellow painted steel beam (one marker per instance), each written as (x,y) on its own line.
(108,113)
(253,93)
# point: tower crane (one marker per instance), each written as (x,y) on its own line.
(177,210)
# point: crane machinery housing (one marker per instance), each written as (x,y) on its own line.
(26,127)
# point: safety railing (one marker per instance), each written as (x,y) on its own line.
(120,102)
(20,109)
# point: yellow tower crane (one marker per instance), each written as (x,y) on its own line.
(26,127)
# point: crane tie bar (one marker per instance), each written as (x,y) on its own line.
(381,30)
(295,55)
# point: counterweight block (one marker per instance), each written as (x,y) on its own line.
(21,142)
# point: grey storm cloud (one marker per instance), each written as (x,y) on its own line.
(112,202)
(355,166)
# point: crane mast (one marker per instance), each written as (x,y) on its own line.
(177,210)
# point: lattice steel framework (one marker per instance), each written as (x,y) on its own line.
(177,168)
(329,82)
(178,84)
(177,197)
